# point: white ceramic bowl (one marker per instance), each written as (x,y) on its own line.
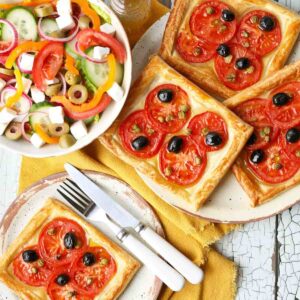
(107,118)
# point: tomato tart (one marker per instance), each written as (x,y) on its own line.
(270,162)
(176,134)
(60,256)
(226,46)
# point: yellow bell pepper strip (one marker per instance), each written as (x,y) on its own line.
(24,3)
(70,64)
(16,97)
(44,136)
(111,61)
(85,8)
(22,48)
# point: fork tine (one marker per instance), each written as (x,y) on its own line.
(77,186)
(75,197)
(73,203)
(78,193)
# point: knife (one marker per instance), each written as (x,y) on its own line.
(121,216)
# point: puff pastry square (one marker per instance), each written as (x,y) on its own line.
(204,74)
(126,265)
(158,73)
(258,191)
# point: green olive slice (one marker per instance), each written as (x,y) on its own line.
(58,129)
(78,94)
(44,10)
(66,141)
(6,72)
(84,22)
(71,78)
(13,131)
(53,90)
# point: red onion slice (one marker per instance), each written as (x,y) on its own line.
(84,55)
(15,36)
(25,120)
(64,84)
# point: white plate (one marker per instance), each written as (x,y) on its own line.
(143,286)
(107,118)
(229,203)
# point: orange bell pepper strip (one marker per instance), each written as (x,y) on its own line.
(16,97)
(44,136)
(85,8)
(22,48)
(24,3)
(70,64)
(98,95)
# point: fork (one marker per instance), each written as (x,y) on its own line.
(71,192)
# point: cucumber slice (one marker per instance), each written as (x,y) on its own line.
(41,119)
(48,26)
(25,23)
(70,48)
(97,74)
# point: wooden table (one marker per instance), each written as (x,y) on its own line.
(267,252)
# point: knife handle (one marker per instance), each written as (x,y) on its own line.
(154,263)
(180,262)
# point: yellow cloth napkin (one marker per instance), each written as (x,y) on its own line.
(191,235)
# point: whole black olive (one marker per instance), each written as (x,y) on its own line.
(267,23)
(213,139)
(281,99)
(223,50)
(257,156)
(242,63)
(139,143)
(70,240)
(252,140)
(227,15)
(175,144)
(30,256)
(88,259)
(62,279)
(292,135)
(165,95)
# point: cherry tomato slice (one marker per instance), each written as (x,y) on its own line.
(207,24)
(276,166)
(51,241)
(168,117)
(254,112)
(234,78)
(32,273)
(47,64)
(251,36)
(288,115)
(193,50)
(92,279)
(205,123)
(183,168)
(137,125)
(67,291)
(291,149)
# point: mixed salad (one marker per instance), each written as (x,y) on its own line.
(60,67)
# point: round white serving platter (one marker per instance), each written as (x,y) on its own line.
(143,286)
(228,203)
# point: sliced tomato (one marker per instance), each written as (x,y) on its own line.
(276,166)
(183,168)
(47,64)
(288,115)
(236,79)
(51,241)
(67,291)
(251,36)
(205,123)
(35,273)
(87,38)
(291,149)
(168,117)
(137,125)
(207,24)
(193,50)
(255,112)
(92,279)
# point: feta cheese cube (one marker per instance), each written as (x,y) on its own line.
(36,141)
(79,130)
(26,61)
(37,95)
(7,115)
(116,92)
(3,127)
(26,85)
(64,7)
(101,52)
(56,115)
(108,28)
(2,84)
(50,82)
(65,22)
